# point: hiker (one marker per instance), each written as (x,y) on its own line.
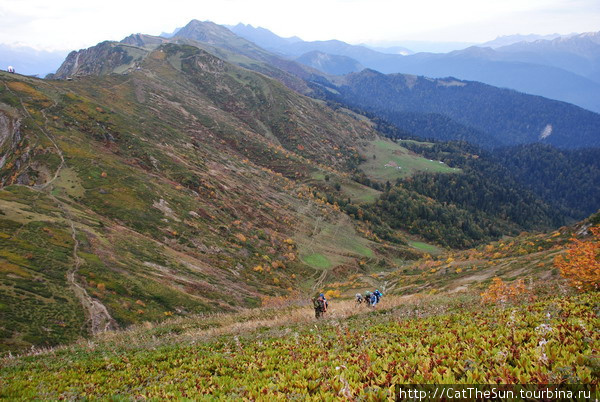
(320,305)
(359,299)
(367,298)
(11,69)
(373,300)
(377,296)
(325,302)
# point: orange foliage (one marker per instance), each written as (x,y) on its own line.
(502,292)
(581,264)
(240,237)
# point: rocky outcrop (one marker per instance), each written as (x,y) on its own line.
(104,58)
(10,134)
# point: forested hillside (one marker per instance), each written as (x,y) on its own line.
(567,179)
(437,108)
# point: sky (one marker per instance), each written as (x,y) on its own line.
(71,25)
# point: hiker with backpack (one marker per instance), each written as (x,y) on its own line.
(359,299)
(320,305)
(368,298)
(376,296)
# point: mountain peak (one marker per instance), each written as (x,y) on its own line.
(329,63)
(205,31)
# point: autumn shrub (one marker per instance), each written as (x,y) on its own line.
(581,263)
(501,292)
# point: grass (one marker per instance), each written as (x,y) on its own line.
(316,260)
(359,193)
(428,248)
(69,183)
(352,353)
(386,160)
(331,244)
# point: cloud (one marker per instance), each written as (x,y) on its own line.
(67,24)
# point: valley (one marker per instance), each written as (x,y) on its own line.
(169,208)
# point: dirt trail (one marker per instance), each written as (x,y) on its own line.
(242,323)
(320,281)
(99,317)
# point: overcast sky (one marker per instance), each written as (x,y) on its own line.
(67,25)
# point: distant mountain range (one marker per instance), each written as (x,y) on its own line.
(510,39)
(564,68)
(446,109)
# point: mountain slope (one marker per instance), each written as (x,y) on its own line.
(494,68)
(330,64)
(502,116)
(261,36)
(431,316)
(563,75)
(119,57)
(175,188)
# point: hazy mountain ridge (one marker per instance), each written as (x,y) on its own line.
(561,77)
(503,116)
(330,64)
(261,36)
(511,39)
(577,53)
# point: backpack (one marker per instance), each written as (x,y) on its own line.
(318,303)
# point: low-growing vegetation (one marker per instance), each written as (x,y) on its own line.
(426,339)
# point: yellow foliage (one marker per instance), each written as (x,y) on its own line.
(240,237)
(101,286)
(330,294)
(258,268)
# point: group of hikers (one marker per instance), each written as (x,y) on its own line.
(371,299)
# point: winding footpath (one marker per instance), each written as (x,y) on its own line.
(99,319)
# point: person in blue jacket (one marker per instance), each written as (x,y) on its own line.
(375,297)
